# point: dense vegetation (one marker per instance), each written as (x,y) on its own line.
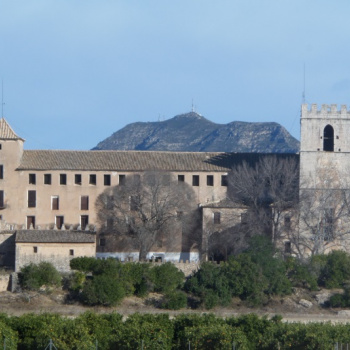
(254,276)
(109,331)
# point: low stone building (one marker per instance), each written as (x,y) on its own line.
(55,246)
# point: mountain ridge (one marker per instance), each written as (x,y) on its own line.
(192,132)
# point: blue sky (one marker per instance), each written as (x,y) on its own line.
(76,71)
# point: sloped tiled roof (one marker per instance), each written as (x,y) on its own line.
(121,161)
(138,160)
(54,236)
(6,132)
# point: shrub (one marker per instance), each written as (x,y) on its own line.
(336,270)
(174,301)
(33,277)
(300,274)
(166,278)
(84,264)
(102,290)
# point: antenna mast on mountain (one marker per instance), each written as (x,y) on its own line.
(193,106)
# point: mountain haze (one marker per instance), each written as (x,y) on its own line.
(192,132)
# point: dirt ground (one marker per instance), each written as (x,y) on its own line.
(299,307)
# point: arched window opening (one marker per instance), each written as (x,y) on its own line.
(328,139)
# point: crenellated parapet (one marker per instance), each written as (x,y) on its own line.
(324,111)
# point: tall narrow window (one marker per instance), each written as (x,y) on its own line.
(121,179)
(59,222)
(133,203)
(47,179)
(63,179)
(107,180)
(223,180)
(30,222)
(92,179)
(217,218)
(32,179)
(84,203)
(1,171)
(328,139)
(77,179)
(328,223)
(84,221)
(31,199)
(195,180)
(2,203)
(210,180)
(55,203)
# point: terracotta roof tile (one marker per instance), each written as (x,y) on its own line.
(121,161)
(53,236)
(6,132)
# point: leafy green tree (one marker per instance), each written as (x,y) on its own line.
(33,276)
(167,277)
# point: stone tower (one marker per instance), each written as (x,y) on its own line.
(325,147)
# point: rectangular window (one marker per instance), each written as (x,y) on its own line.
(180,178)
(109,223)
(47,179)
(31,199)
(133,203)
(244,218)
(32,179)
(30,222)
(107,180)
(223,180)
(121,179)
(217,218)
(84,221)
(55,203)
(2,203)
(195,180)
(287,222)
(1,172)
(35,249)
(210,180)
(287,247)
(63,179)
(71,252)
(92,179)
(102,242)
(59,222)
(84,203)
(328,224)
(77,179)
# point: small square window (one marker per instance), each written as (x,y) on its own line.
(180,178)
(47,179)
(71,252)
(210,180)
(195,180)
(32,179)
(223,180)
(107,180)
(63,179)
(92,179)
(77,179)
(35,249)
(121,179)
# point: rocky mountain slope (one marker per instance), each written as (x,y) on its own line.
(193,133)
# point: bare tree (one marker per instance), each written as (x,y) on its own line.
(269,189)
(148,210)
(324,213)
